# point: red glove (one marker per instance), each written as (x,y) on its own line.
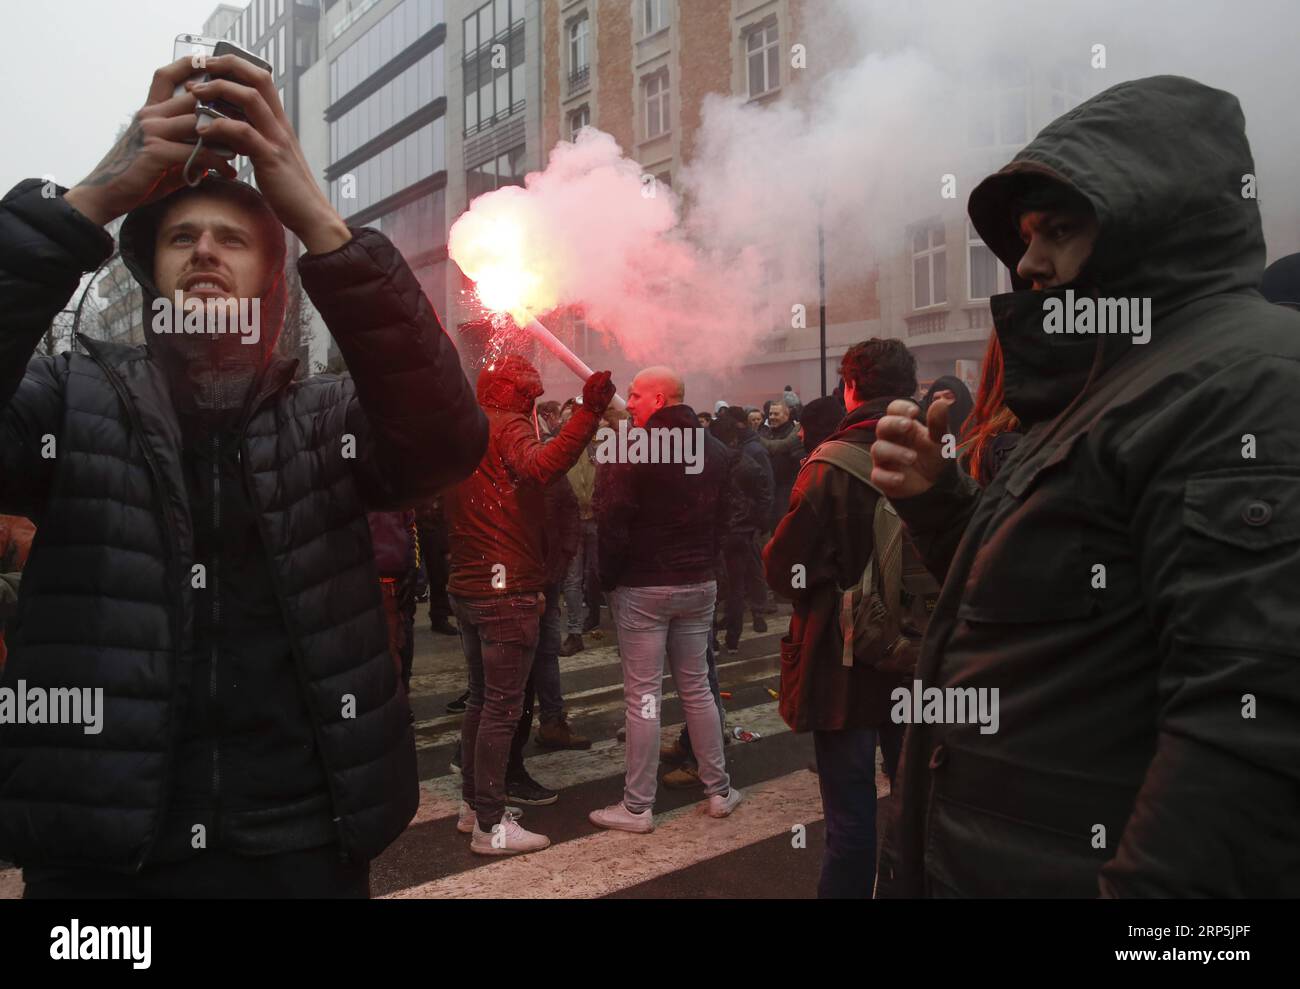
(598,392)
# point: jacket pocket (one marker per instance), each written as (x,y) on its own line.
(1252,508)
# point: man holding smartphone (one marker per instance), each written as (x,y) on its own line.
(203,555)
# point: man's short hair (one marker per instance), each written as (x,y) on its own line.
(880,369)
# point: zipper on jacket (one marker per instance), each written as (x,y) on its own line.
(294,646)
(214,589)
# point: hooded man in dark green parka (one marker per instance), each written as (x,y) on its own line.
(1127,583)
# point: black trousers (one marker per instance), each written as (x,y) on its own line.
(315,873)
(434,547)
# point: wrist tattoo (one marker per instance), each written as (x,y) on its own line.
(119,159)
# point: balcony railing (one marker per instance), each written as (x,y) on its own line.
(579,79)
(934,322)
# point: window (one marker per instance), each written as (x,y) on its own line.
(929,267)
(504,169)
(657,109)
(1066,89)
(279,7)
(493,92)
(654,16)
(377,178)
(985,274)
(999,114)
(369,53)
(417,86)
(578,61)
(764,59)
(280,63)
(579,119)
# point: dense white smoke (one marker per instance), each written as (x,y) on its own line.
(863,153)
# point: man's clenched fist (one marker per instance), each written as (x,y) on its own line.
(598,392)
(907,456)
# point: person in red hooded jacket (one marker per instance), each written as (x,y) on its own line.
(498,574)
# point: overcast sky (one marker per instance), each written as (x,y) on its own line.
(73,71)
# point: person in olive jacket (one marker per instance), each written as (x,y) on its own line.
(1128,580)
(203,556)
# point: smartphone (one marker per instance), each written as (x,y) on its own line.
(200,49)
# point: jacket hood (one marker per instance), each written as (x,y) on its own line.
(959,409)
(1162,161)
(136,245)
(512,384)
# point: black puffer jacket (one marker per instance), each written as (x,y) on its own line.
(108,600)
(1128,580)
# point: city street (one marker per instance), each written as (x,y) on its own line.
(752,854)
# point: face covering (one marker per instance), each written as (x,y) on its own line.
(1042,372)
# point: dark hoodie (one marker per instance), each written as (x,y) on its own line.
(496,516)
(959,410)
(1128,577)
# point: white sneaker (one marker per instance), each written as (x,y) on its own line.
(618,818)
(506,838)
(465,821)
(720,806)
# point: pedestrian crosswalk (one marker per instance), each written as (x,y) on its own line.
(776,832)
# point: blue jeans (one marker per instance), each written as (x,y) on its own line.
(846,773)
(675,623)
(546,666)
(499,637)
(576,577)
(544,681)
(684,739)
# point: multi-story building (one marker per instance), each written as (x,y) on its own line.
(641,69)
(493,122)
(935,288)
(283,33)
(373,129)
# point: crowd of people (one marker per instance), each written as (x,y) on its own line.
(1102,540)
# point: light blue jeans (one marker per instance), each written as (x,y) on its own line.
(675,623)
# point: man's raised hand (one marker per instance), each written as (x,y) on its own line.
(147,161)
(283,176)
(907,456)
(598,392)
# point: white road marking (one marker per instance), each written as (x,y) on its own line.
(607,861)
